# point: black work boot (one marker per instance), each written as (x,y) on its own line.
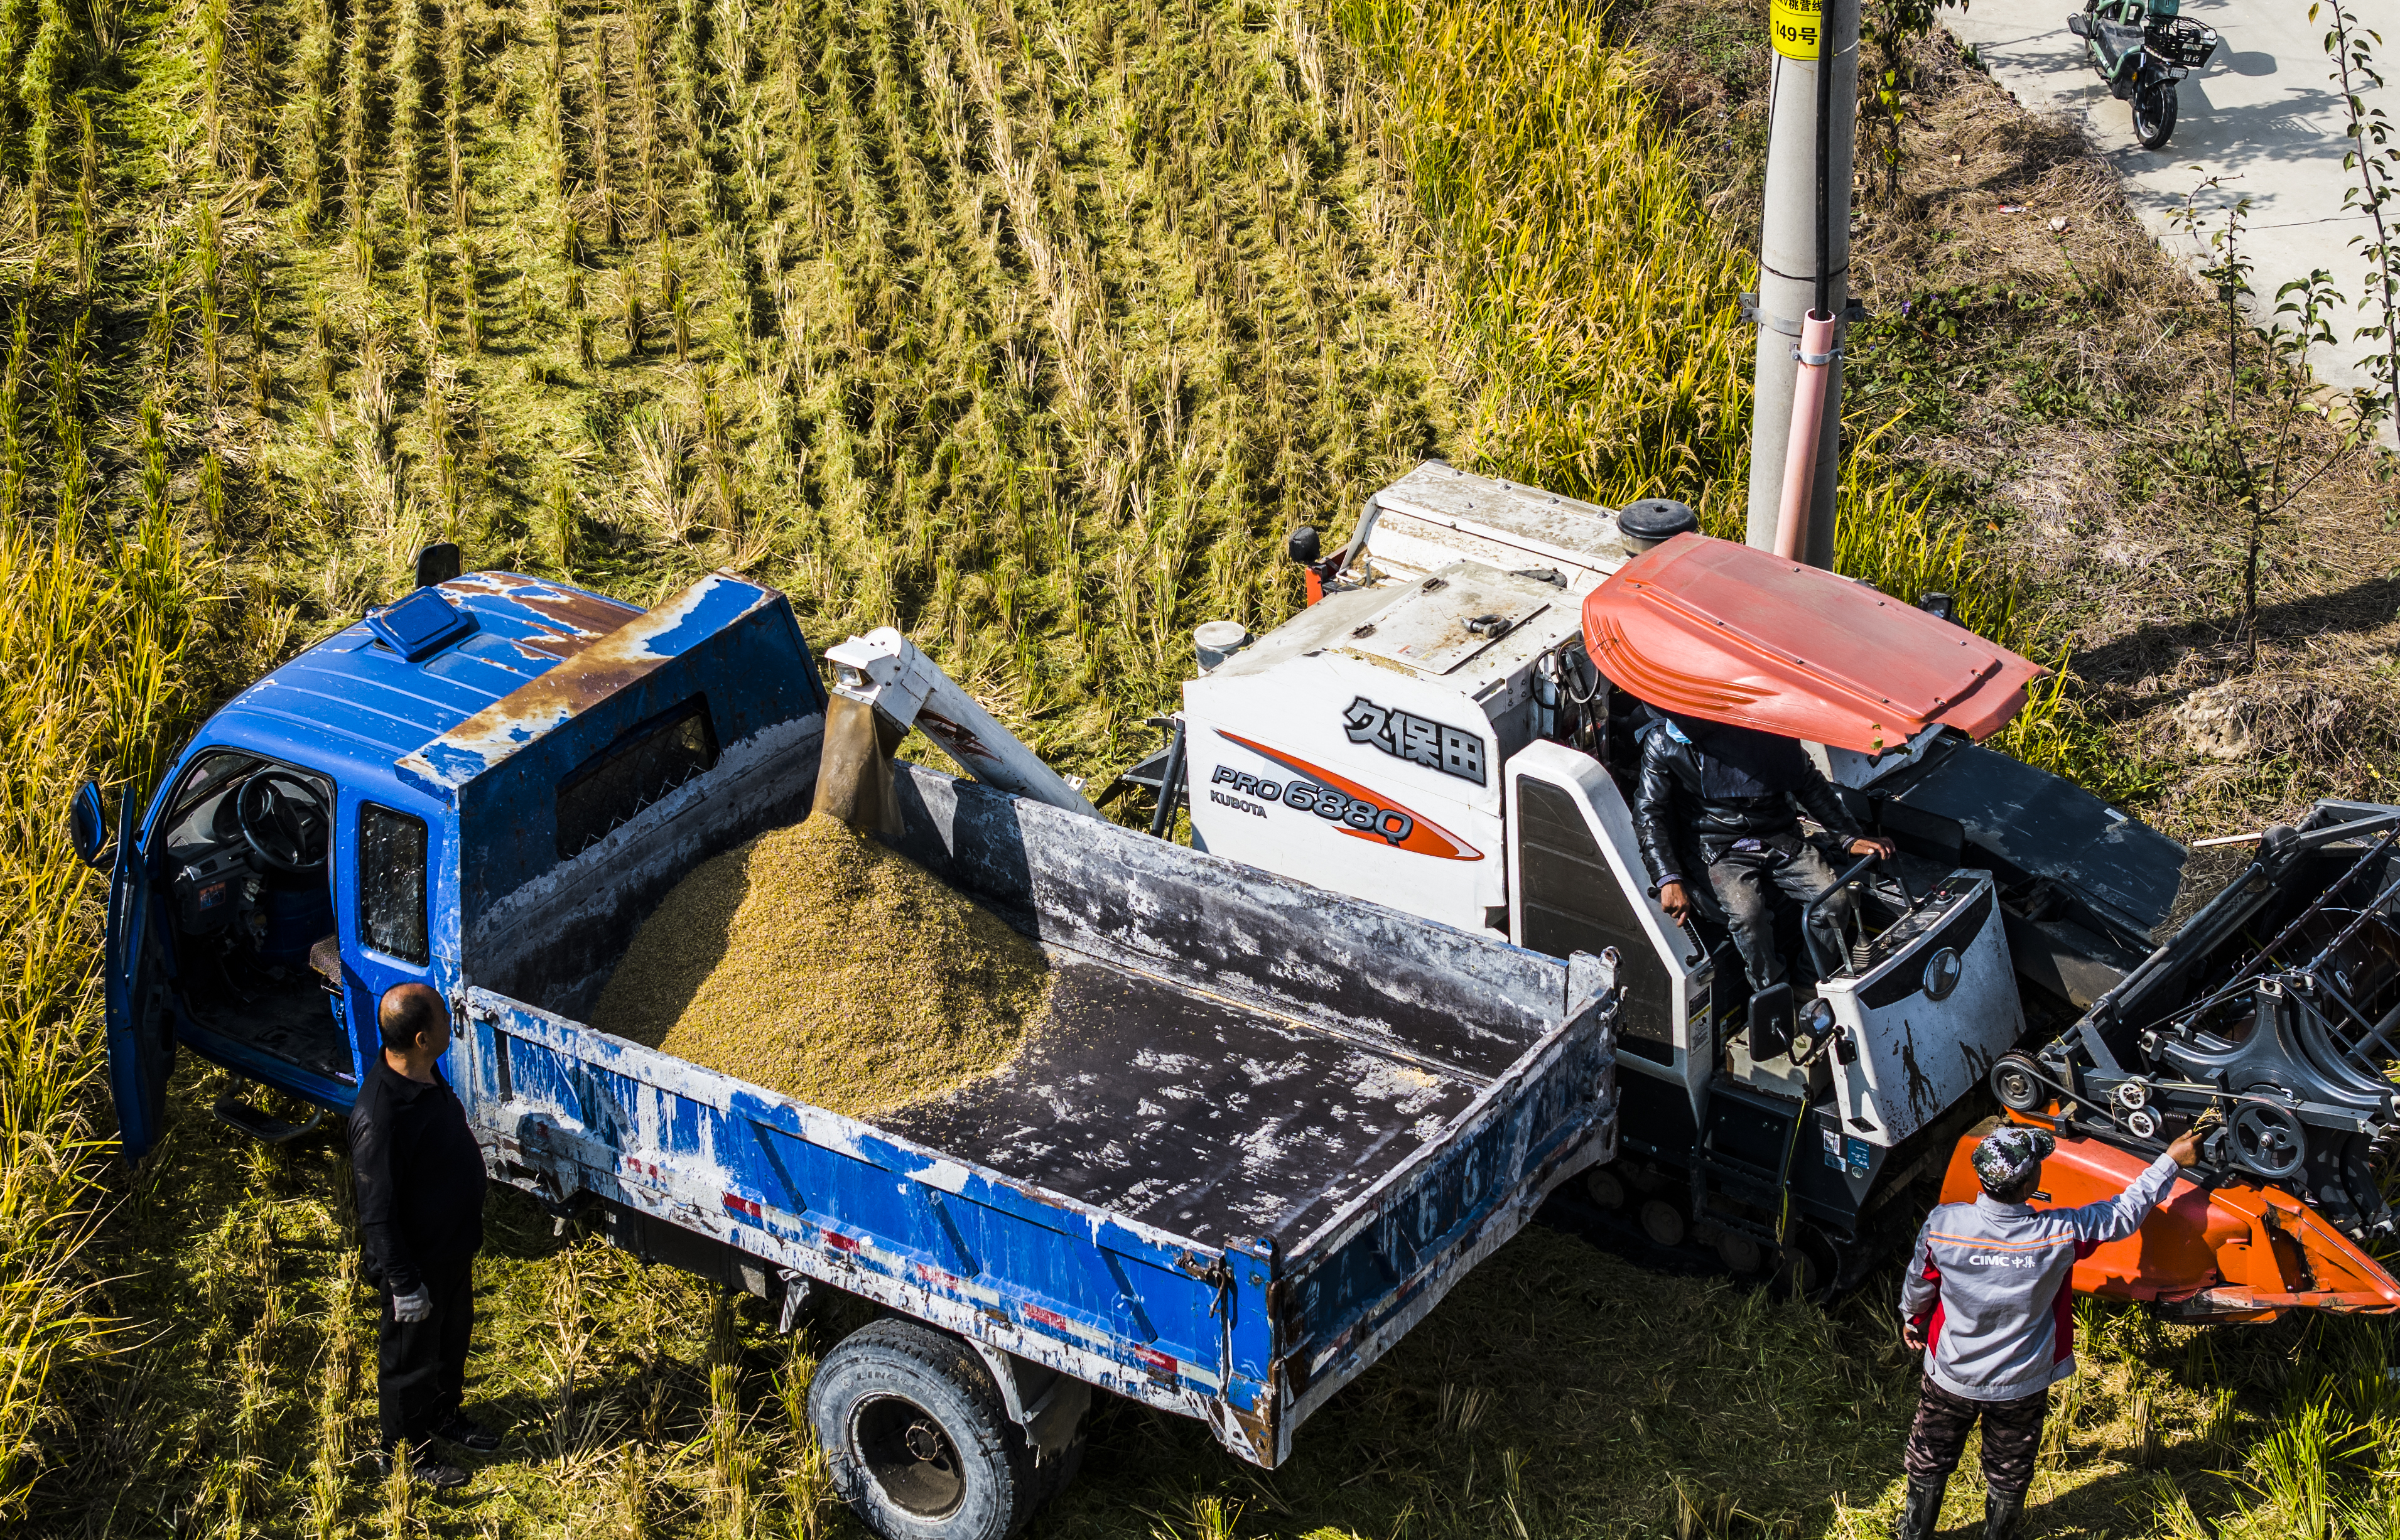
(2001,1512)
(1918,1514)
(468,1434)
(424,1470)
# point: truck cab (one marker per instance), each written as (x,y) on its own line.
(336,827)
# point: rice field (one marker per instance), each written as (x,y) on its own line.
(1028,326)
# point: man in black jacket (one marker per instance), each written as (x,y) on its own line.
(1737,792)
(420,1191)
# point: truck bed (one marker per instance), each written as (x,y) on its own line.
(1192,1114)
(1264,1131)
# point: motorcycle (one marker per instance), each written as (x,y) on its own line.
(2142,48)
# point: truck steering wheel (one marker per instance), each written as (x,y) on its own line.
(284,821)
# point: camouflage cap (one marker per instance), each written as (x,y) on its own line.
(2005,1155)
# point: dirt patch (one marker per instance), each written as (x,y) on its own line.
(2241,718)
(819,964)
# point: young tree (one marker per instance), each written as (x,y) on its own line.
(2373,160)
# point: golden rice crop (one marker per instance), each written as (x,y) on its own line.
(1027,325)
(92,683)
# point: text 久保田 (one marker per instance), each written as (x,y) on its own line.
(1453,751)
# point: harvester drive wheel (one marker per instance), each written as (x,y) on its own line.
(2268,1141)
(1810,1267)
(2018,1083)
(916,1438)
(1663,1223)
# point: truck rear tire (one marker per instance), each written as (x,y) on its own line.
(916,1438)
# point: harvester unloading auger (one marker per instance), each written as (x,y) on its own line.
(882,686)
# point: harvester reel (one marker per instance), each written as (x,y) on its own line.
(2018,1083)
(2268,1141)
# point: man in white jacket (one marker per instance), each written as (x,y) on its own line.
(1986,1300)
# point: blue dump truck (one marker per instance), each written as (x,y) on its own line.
(1264,1132)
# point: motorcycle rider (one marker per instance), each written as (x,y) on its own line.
(1738,791)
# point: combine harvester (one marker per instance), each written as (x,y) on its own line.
(1449,729)
(1266,1129)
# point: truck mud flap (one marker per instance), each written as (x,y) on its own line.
(654,1240)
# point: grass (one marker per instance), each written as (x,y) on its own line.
(1005,345)
(1027,325)
(93,684)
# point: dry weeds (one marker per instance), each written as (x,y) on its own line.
(2063,379)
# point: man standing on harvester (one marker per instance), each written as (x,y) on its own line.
(1986,1300)
(421,1193)
(1739,793)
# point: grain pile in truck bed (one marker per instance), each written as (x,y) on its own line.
(819,963)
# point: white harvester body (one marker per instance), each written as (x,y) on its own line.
(1413,738)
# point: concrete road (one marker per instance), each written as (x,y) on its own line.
(2265,116)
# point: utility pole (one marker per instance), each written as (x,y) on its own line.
(1804,270)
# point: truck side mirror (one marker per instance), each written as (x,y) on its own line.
(438,563)
(87,829)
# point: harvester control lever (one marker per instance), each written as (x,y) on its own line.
(1826,967)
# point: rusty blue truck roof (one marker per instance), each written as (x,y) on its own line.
(354,698)
(600,667)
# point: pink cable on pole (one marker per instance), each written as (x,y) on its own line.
(1808,415)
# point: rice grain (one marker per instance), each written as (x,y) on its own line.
(818,962)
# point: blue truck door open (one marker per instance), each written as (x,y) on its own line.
(386,857)
(141,1027)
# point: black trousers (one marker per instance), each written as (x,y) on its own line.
(2012,1437)
(421,1366)
(1743,881)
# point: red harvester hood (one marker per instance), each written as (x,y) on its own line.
(1711,629)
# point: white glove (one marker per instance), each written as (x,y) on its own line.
(408,1309)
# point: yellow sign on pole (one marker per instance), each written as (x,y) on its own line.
(1799,27)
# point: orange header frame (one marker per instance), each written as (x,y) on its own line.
(2238,1251)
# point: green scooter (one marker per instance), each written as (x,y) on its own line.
(2142,48)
